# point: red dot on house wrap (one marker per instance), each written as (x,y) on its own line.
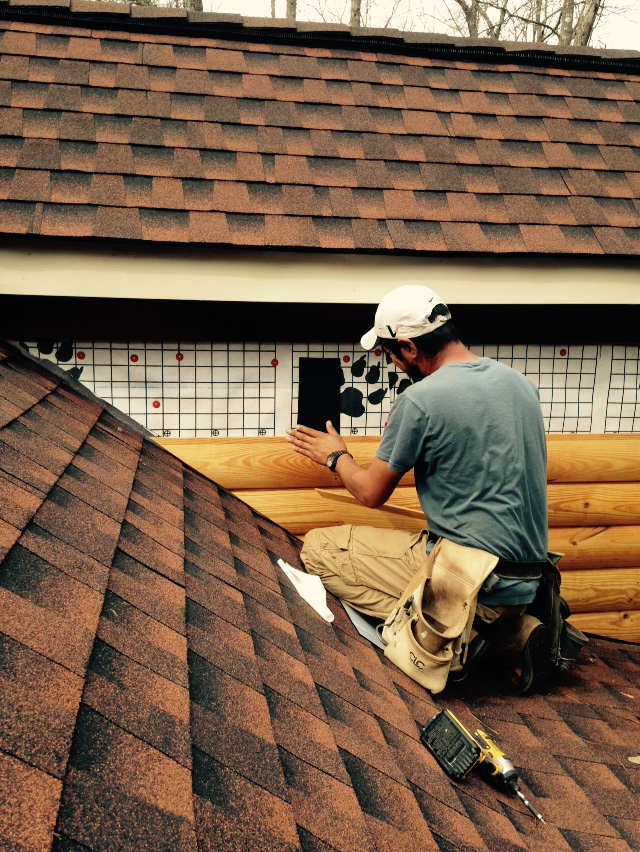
(274,362)
(563,353)
(156,403)
(378,353)
(179,357)
(80,356)
(346,359)
(134,359)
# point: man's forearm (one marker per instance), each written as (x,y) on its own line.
(366,484)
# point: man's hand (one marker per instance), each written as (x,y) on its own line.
(371,486)
(315,445)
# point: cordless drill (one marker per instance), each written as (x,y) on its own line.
(458,751)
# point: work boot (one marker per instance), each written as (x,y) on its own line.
(523,646)
(534,666)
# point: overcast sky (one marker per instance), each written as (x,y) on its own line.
(617,30)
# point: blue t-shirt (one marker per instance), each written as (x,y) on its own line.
(474,434)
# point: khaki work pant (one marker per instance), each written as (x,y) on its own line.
(370,568)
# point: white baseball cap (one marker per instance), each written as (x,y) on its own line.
(405,313)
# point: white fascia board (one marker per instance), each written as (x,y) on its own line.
(160,272)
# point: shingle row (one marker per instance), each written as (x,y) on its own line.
(423,96)
(128,63)
(522,204)
(491,141)
(541,235)
(101,89)
(151,169)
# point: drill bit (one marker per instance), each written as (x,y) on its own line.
(528,805)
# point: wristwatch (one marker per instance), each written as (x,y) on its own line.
(332,459)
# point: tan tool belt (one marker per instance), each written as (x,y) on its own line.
(435,613)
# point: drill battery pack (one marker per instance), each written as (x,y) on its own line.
(451,744)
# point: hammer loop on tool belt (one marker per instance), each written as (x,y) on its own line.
(431,623)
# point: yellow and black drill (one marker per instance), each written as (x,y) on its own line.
(458,751)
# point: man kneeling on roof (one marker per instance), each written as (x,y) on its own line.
(472,430)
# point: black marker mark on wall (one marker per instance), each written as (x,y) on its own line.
(357,368)
(377,396)
(64,352)
(393,379)
(351,402)
(404,384)
(45,347)
(75,372)
(373,374)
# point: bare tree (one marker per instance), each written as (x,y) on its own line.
(567,22)
(585,22)
(191,5)
(365,13)
(564,22)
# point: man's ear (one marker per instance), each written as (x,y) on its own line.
(408,347)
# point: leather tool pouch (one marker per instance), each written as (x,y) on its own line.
(552,609)
(425,631)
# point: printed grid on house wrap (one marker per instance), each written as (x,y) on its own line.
(623,401)
(179,389)
(564,375)
(187,389)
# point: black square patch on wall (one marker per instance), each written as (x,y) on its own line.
(319,392)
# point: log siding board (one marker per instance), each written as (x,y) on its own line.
(238,463)
(592,505)
(300,510)
(596,547)
(269,463)
(602,590)
(624,626)
(593,458)
(305,508)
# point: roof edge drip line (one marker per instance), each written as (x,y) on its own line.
(193,25)
(82,390)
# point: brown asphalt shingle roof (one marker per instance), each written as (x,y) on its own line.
(210,139)
(162,686)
